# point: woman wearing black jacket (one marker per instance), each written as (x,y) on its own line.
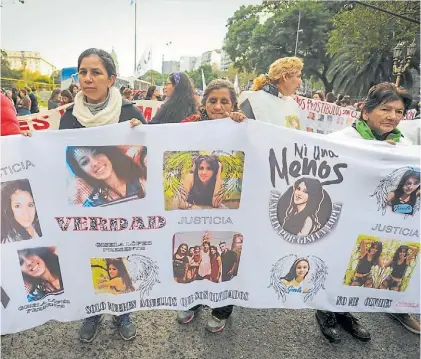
(99,103)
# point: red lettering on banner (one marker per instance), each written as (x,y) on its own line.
(147,113)
(24,126)
(41,124)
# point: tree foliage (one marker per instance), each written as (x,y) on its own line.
(156,77)
(258,35)
(196,75)
(6,71)
(362,43)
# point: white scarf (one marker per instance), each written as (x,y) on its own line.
(107,116)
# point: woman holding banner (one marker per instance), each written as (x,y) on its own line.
(271,98)
(219,101)
(383,109)
(98,104)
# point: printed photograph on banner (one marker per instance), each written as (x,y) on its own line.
(301,209)
(399,192)
(382,263)
(311,116)
(292,121)
(19,217)
(124,275)
(304,208)
(214,256)
(106,175)
(203,179)
(309,129)
(41,272)
(295,275)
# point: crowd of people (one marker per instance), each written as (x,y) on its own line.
(99,103)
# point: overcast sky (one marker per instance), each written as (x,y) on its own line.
(60,30)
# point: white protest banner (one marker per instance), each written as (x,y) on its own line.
(324,117)
(114,220)
(50,119)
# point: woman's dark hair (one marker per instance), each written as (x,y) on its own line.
(293,222)
(330,97)
(202,194)
(54,94)
(105,57)
(383,93)
(396,255)
(142,164)
(124,167)
(10,228)
(399,190)
(67,93)
(321,95)
(379,246)
(15,93)
(51,262)
(181,104)
(292,274)
(182,245)
(216,252)
(150,92)
(221,84)
(122,272)
(72,87)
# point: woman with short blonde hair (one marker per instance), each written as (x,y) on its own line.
(271,98)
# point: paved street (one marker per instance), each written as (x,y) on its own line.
(262,334)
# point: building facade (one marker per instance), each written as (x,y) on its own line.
(212,58)
(30,60)
(169,67)
(187,63)
(225,61)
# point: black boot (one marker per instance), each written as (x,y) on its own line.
(328,325)
(352,326)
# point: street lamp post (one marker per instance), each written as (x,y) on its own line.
(298,31)
(402,57)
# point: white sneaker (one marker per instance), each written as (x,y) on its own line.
(215,325)
(186,316)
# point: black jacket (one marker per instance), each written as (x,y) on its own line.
(128,111)
(34,103)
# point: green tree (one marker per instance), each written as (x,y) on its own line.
(6,71)
(196,76)
(156,77)
(258,35)
(362,43)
